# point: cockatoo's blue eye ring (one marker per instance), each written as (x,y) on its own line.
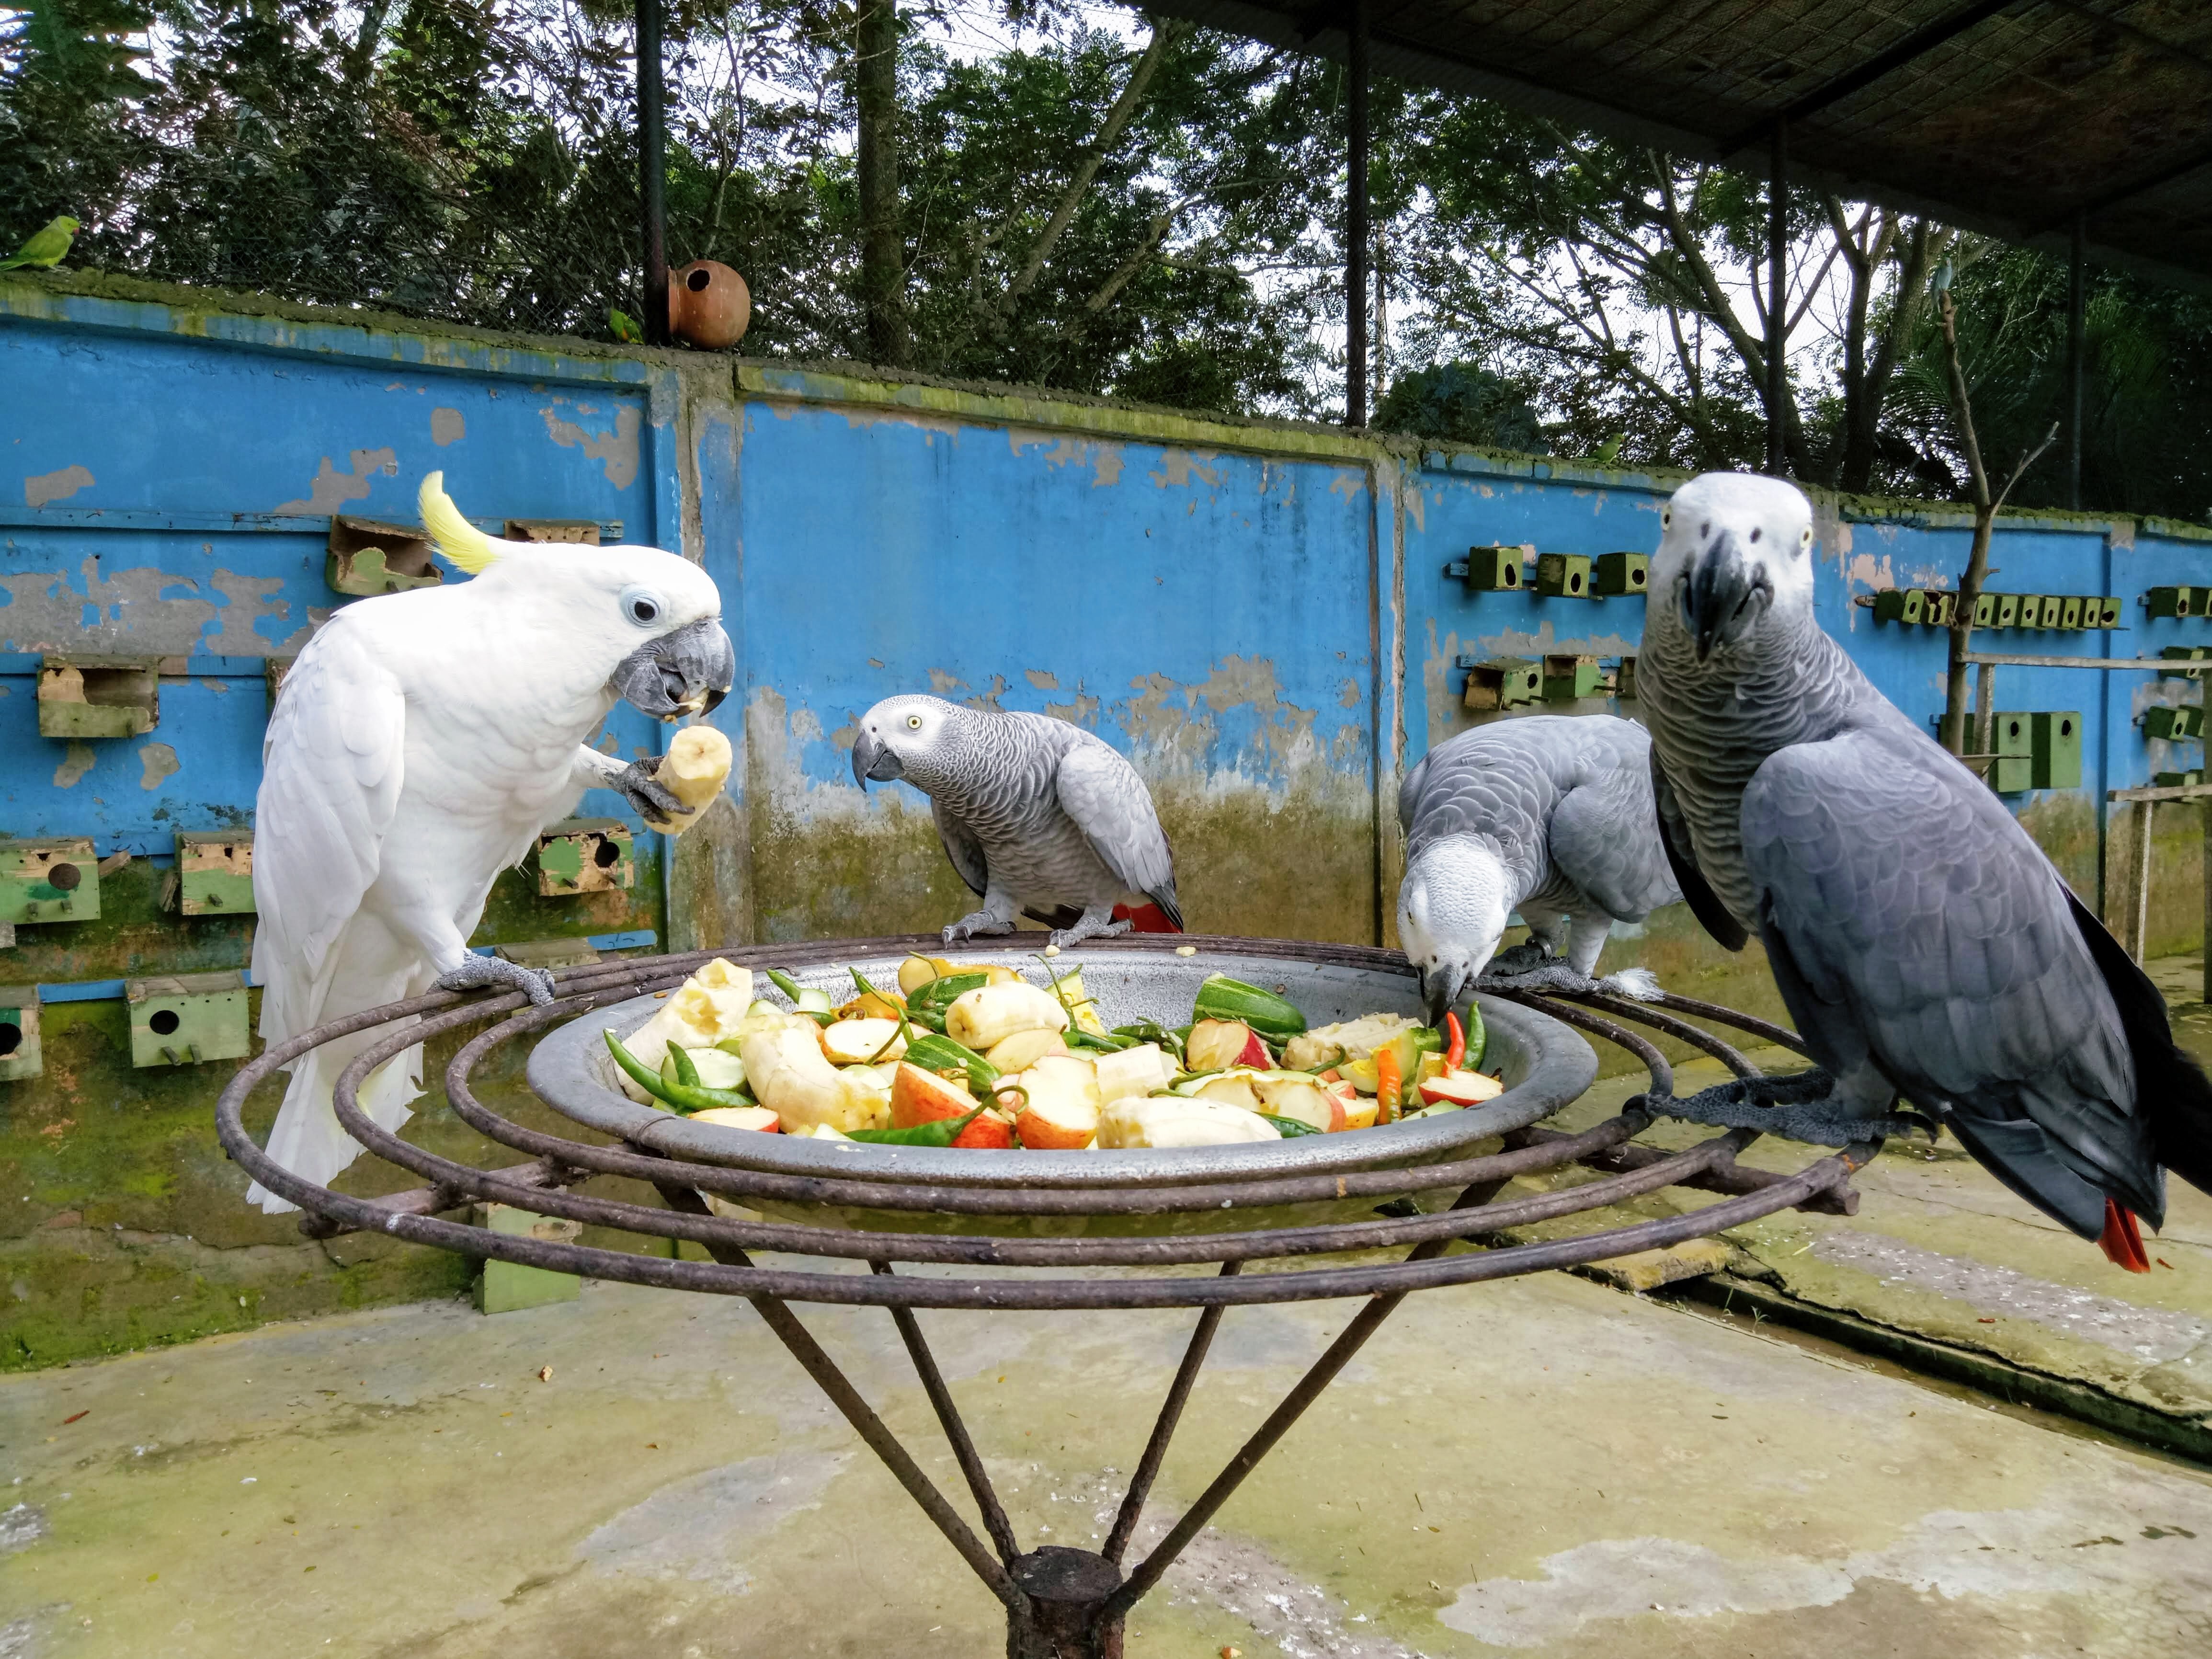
(643,606)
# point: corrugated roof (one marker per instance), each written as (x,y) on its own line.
(2004,116)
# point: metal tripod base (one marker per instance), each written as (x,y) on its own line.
(1068,1590)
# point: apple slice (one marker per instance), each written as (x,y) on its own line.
(1023,1049)
(1359,1109)
(1234,1090)
(739,1117)
(1215,1045)
(1061,1112)
(855,1041)
(1302,1098)
(989,1132)
(920,1097)
(1461,1088)
(1137,1071)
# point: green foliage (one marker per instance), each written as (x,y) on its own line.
(1462,403)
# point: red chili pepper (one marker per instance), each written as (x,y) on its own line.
(1454,1042)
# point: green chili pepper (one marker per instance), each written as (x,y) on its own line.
(1291,1127)
(1108,1044)
(903,1031)
(936,1053)
(682,1099)
(1150,1030)
(687,1070)
(938,1132)
(940,992)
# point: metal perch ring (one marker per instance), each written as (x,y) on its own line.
(1221,1206)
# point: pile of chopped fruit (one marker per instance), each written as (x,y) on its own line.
(977,1056)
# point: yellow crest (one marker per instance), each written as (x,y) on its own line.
(461,541)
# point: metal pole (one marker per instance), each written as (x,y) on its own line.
(1355,228)
(652,171)
(2142,882)
(2075,366)
(1777,299)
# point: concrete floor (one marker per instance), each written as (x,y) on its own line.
(1547,1467)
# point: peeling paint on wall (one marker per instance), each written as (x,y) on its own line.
(447,426)
(145,610)
(160,763)
(617,449)
(76,763)
(332,488)
(56,486)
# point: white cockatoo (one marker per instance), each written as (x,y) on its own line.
(417,747)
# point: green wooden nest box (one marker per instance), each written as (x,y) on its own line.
(1491,569)
(87,697)
(2166,722)
(2012,774)
(1624,684)
(2174,602)
(505,1286)
(2012,734)
(368,558)
(585,855)
(2055,745)
(1985,610)
(2108,611)
(49,881)
(21,1057)
(1567,677)
(1621,574)
(1563,575)
(2177,780)
(1502,682)
(1899,604)
(2008,610)
(2069,613)
(215,872)
(1938,607)
(187,1019)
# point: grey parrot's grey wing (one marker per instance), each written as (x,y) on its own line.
(1409,792)
(962,848)
(1488,782)
(1107,800)
(1682,858)
(1919,919)
(1605,839)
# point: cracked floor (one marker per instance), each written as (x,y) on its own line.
(1545,1467)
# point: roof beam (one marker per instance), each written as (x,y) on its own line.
(1918,44)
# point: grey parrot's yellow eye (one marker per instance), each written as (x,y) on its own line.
(1805,539)
(913,722)
(643,606)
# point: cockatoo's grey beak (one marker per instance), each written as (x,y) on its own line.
(686,672)
(1722,595)
(874,760)
(1441,985)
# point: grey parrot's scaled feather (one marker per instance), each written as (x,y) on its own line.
(962,848)
(1108,801)
(1605,836)
(1675,839)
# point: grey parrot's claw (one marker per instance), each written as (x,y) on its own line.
(1064,936)
(650,800)
(1524,957)
(1552,976)
(497,973)
(1799,1107)
(970,926)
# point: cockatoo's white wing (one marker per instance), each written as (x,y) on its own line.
(331,768)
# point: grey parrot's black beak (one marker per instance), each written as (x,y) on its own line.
(1722,595)
(873,761)
(1441,985)
(689,672)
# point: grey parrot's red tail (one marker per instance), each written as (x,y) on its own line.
(1147,919)
(2122,1240)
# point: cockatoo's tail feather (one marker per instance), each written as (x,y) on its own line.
(461,541)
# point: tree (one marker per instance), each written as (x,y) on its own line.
(1461,402)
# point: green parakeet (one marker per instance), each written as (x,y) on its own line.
(46,247)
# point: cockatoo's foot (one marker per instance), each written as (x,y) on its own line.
(499,974)
(979,922)
(650,799)
(1094,924)
(1802,1107)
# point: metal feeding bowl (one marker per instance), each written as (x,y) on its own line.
(1117,1218)
(1542,1063)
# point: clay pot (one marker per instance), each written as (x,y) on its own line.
(708,305)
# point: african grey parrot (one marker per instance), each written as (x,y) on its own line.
(1036,814)
(1549,814)
(417,748)
(1921,941)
